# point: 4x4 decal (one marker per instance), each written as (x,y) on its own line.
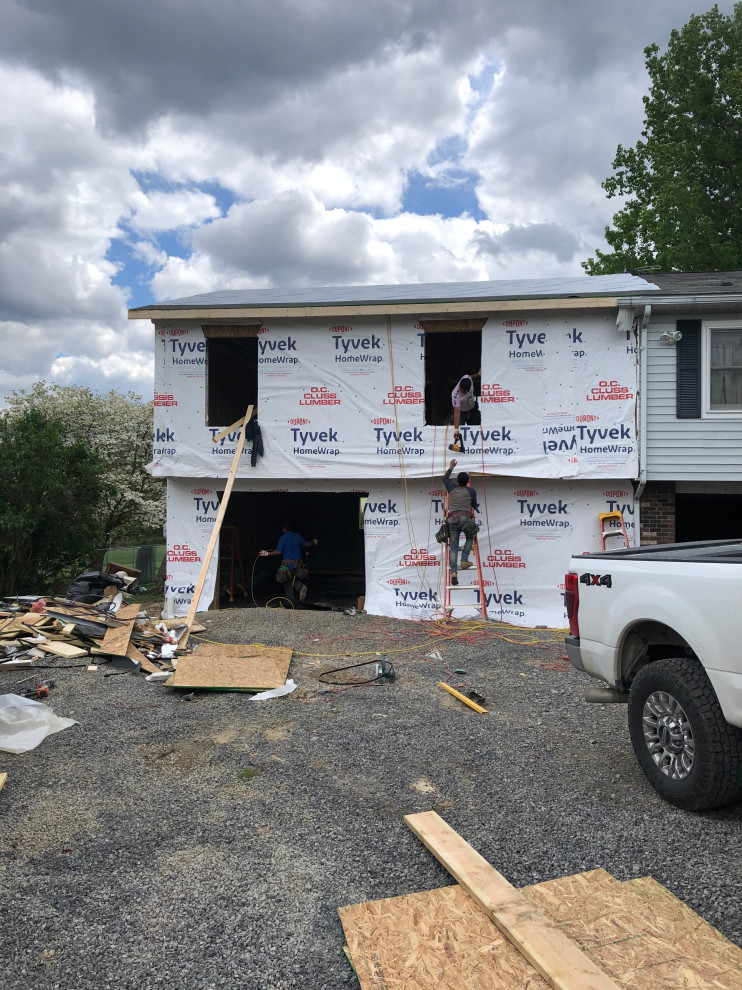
(600,579)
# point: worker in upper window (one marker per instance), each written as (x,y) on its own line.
(463,400)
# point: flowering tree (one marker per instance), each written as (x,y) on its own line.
(118,430)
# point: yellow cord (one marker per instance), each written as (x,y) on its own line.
(469,627)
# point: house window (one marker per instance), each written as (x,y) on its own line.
(724,350)
(231,372)
(453,348)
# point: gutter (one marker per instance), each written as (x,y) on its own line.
(643,405)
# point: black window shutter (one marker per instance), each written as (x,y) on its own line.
(689,370)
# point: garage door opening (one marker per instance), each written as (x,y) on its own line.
(254,521)
(707,517)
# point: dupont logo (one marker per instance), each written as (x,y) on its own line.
(165,400)
(526,492)
(381,420)
(503,558)
(341,328)
(395,581)
(299,422)
(182,553)
(515,323)
(586,419)
(419,558)
(495,393)
(404,395)
(319,395)
(200,491)
(175,333)
(616,493)
(439,492)
(263,330)
(611,391)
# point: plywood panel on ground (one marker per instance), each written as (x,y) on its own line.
(116,641)
(439,938)
(233,668)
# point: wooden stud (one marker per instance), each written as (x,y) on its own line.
(215,532)
(561,963)
(226,431)
(462,697)
(3,778)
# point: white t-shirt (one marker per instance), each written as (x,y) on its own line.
(464,400)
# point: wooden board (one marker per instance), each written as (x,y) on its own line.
(439,939)
(116,641)
(215,532)
(3,778)
(134,654)
(128,612)
(59,649)
(561,963)
(233,668)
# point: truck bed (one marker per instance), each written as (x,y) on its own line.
(704,552)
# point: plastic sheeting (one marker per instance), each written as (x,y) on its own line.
(25,723)
(336,401)
(529,532)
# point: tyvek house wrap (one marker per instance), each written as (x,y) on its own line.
(529,531)
(337,401)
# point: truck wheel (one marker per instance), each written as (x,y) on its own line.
(690,754)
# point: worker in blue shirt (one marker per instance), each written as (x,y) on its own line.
(289,549)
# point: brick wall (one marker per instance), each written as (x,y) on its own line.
(657,515)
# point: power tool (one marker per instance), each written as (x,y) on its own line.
(458,444)
(384,671)
(41,690)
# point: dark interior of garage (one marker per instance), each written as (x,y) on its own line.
(707,517)
(254,521)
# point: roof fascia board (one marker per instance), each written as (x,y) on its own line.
(353,309)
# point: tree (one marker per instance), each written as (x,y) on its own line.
(118,428)
(49,493)
(683,178)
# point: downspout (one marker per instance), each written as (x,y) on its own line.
(643,402)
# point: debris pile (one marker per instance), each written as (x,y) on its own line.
(102,632)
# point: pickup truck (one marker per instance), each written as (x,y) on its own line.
(662,627)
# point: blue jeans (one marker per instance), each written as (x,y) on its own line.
(455,528)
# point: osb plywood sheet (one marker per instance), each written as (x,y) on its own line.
(116,641)
(233,668)
(439,939)
(641,935)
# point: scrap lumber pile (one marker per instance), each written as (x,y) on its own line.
(127,638)
(583,932)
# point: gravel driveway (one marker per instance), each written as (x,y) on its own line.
(208,843)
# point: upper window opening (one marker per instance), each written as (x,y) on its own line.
(453,348)
(231,373)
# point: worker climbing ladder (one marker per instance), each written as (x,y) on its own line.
(467,593)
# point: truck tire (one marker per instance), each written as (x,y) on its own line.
(689,753)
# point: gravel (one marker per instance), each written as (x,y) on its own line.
(208,843)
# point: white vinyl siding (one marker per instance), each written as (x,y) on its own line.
(685,449)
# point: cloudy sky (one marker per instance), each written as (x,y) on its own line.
(155,150)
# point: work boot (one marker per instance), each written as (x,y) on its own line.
(302,593)
(465,565)
(454,577)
